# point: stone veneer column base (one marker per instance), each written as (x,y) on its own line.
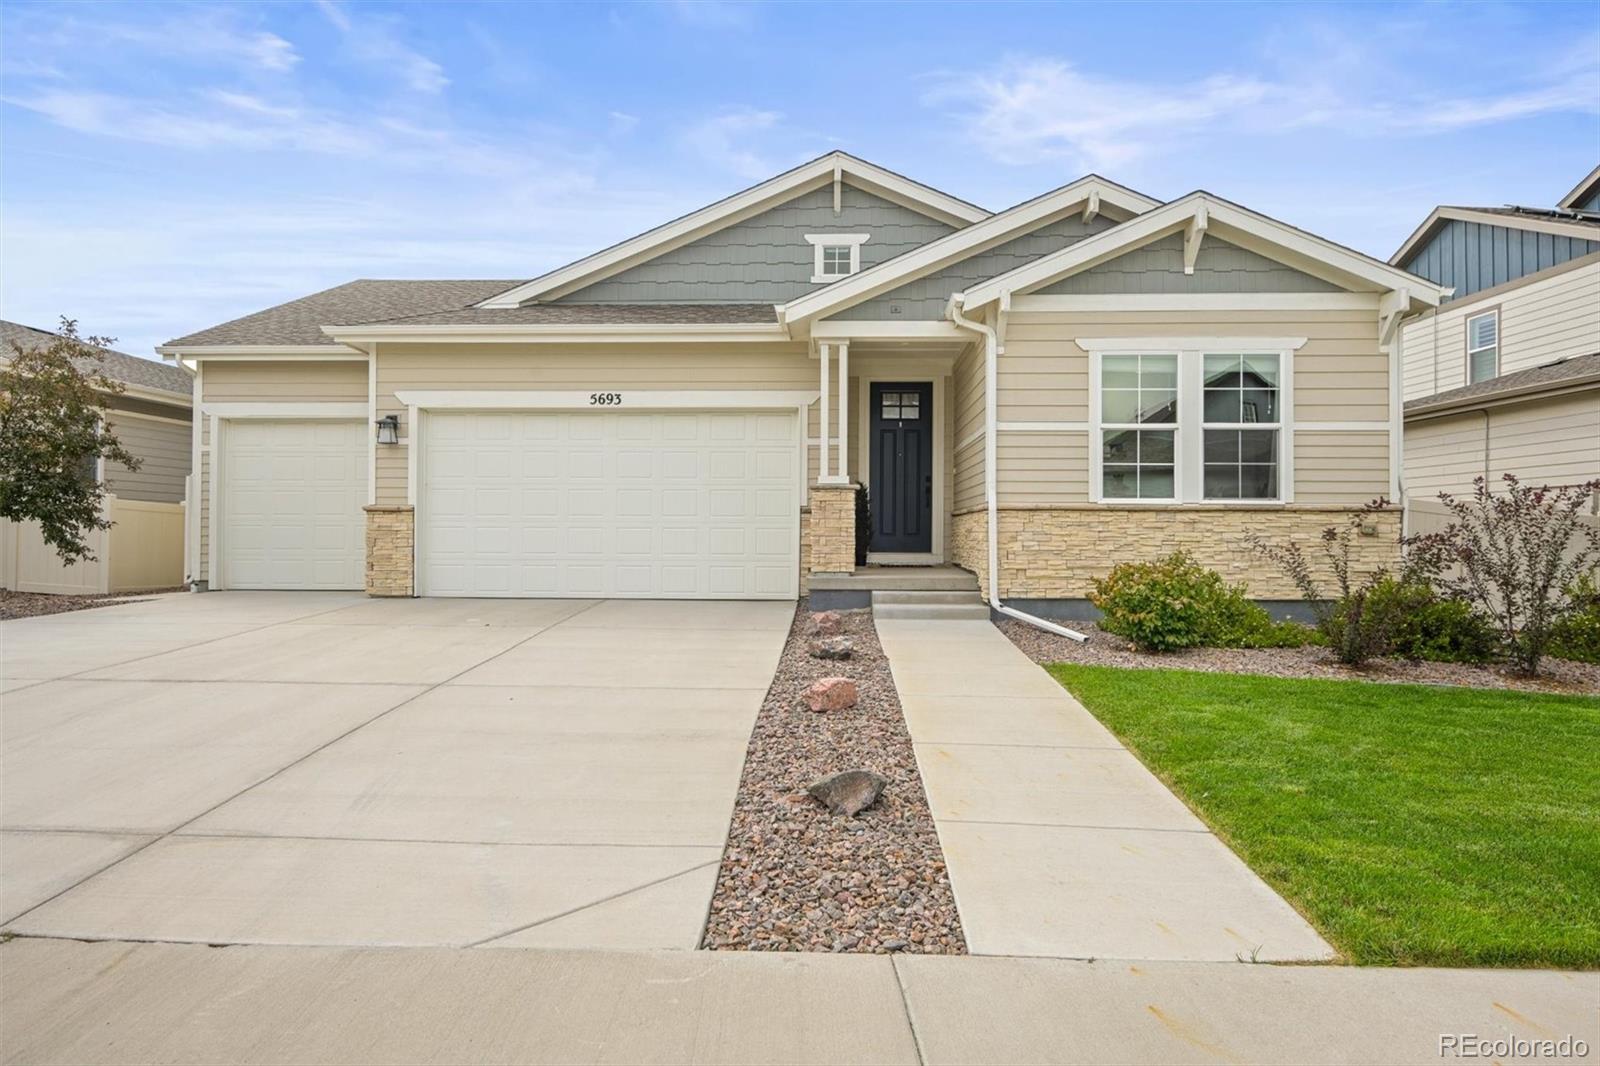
(833,529)
(391,551)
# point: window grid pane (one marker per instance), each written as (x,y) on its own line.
(836,259)
(1240,464)
(1138,464)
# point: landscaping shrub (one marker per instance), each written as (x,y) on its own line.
(1576,635)
(1362,620)
(863,525)
(1515,555)
(1421,624)
(1177,603)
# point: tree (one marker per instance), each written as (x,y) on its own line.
(53,431)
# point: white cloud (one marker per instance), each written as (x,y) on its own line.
(1037,109)
(216,36)
(622,123)
(723,140)
(377,41)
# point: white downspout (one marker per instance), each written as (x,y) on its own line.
(991,351)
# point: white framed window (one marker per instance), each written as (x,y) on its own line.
(1191,420)
(1483,346)
(1139,426)
(1241,428)
(835,255)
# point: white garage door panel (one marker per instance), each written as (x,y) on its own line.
(292,495)
(619,503)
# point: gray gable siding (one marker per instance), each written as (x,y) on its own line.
(1474,255)
(924,298)
(1157,267)
(765,259)
(1591,203)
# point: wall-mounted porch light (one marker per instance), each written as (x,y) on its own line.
(389,429)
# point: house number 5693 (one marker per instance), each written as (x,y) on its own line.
(604,399)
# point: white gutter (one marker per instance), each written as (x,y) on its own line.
(991,352)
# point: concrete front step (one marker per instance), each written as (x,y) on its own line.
(900,578)
(925,596)
(930,604)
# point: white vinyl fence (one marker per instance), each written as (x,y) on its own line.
(143,549)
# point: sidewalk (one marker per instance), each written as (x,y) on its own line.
(1059,842)
(65,1001)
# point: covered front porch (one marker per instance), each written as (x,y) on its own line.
(884,431)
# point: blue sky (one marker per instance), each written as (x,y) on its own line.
(164,167)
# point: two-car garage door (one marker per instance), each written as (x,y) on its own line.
(669,504)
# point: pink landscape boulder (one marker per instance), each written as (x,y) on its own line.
(826,623)
(831,694)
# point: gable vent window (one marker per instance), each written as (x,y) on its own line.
(835,255)
(1483,347)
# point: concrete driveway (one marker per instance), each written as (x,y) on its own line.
(320,768)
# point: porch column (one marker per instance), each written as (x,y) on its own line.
(825,466)
(844,410)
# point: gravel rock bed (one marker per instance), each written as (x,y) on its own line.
(1107,649)
(797,878)
(34,604)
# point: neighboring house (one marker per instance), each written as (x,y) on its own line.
(1087,377)
(152,419)
(1504,377)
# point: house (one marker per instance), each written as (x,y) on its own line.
(1090,376)
(1504,375)
(144,548)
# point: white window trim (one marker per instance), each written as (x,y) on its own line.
(819,241)
(1189,458)
(1493,313)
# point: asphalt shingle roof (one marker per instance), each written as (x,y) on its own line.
(354,303)
(585,314)
(118,366)
(1548,376)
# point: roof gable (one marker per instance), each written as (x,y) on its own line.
(1157,267)
(1472,256)
(1510,218)
(833,170)
(1197,218)
(766,258)
(924,298)
(1585,196)
(1089,196)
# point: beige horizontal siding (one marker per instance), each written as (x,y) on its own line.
(1339,376)
(967,402)
(1339,469)
(1553,318)
(593,367)
(162,447)
(285,382)
(1554,441)
(1036,469)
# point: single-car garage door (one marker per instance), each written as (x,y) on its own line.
(692,504)
(292,494)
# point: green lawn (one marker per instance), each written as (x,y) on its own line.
(1412,825)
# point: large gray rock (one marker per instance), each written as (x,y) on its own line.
(848,792)
(832,648)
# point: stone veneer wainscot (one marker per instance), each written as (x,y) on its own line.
(1056,553)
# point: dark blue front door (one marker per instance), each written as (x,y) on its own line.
(902,467)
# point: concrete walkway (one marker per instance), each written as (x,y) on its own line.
(66,1002)
(307,768)
(1060,843)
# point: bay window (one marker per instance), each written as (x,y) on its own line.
(1201,421)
